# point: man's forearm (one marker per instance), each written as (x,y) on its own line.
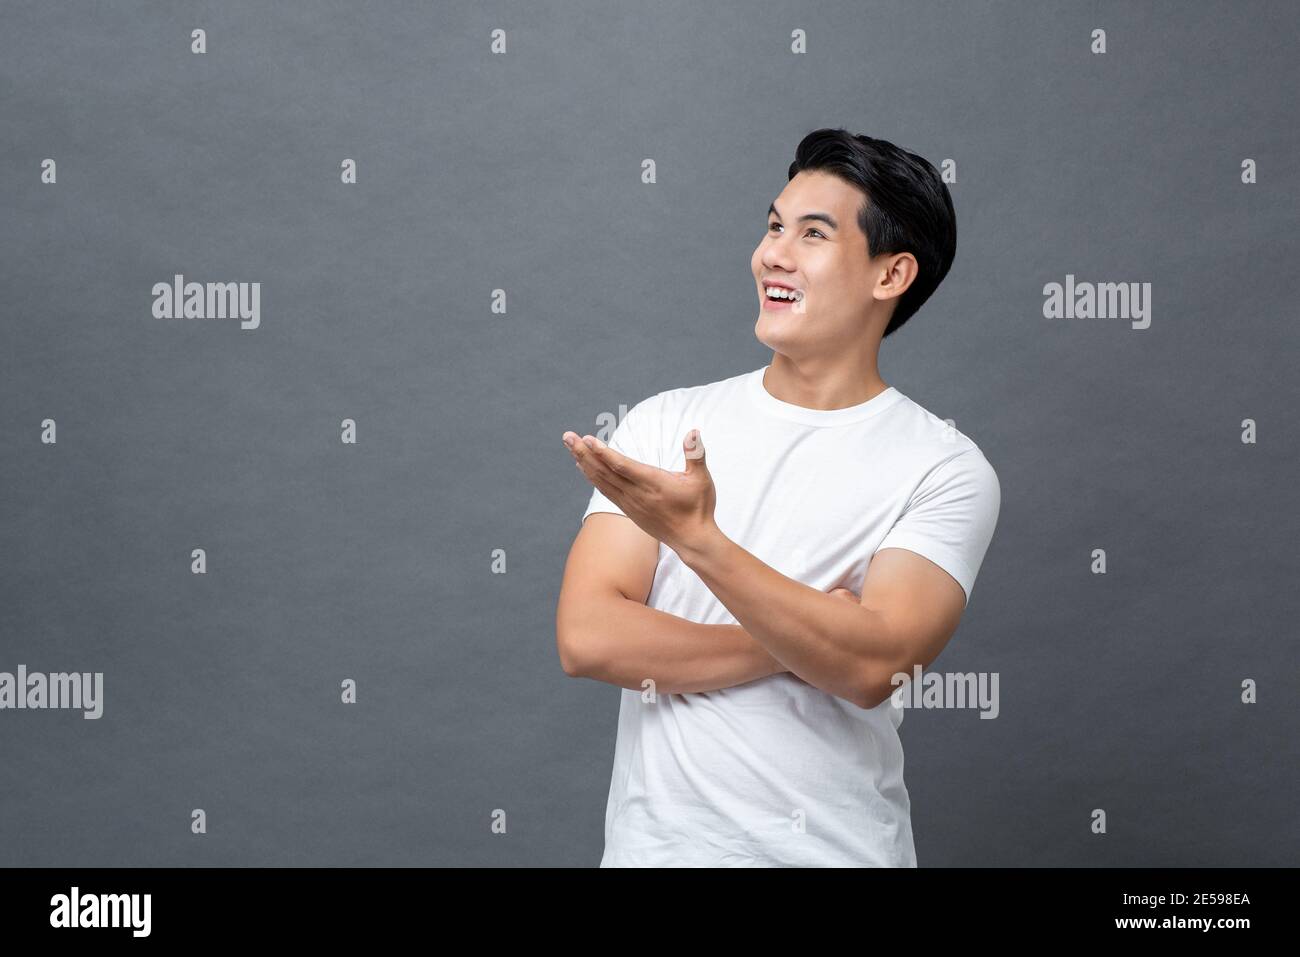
(821,639)
(625,643)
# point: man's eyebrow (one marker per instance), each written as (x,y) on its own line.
(823,217)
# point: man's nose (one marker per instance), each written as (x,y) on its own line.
(777,252)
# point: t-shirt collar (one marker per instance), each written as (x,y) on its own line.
(771,405)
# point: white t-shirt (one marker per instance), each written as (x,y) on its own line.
(776,772)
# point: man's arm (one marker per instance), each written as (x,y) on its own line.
(605,631)
(910,605)
(909,609)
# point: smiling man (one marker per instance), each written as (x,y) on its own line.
(763,554)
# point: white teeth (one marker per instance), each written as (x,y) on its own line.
(776,292)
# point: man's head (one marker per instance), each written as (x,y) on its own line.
(864,231)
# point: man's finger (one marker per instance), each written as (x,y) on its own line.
(607,489)
(620,464)
(595,468)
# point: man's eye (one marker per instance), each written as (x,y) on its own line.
(772,226)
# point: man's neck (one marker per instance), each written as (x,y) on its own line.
(822,384)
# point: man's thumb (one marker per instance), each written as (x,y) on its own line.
(693,445)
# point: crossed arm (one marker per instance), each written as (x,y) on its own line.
(605,631)
(908,609)
(847,645)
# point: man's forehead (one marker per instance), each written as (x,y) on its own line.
(818,192)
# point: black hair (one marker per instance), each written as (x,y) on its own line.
(908,207)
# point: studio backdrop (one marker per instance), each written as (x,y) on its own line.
(299,297)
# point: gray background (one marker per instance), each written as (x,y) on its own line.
(522,172)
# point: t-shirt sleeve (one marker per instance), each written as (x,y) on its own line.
(951,516)
(634,437)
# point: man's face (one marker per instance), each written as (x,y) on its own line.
(825,262)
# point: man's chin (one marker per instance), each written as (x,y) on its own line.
(775,331)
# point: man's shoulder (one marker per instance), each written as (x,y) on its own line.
(683,396)
(934,437)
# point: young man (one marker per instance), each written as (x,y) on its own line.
(757,601)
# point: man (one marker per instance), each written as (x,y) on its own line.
(763,554)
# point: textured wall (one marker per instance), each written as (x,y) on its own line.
(1168,160)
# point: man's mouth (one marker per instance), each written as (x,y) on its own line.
(777,298)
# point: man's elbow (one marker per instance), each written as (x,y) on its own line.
(573,664)
(877,686)
(575,649)
(873,696)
